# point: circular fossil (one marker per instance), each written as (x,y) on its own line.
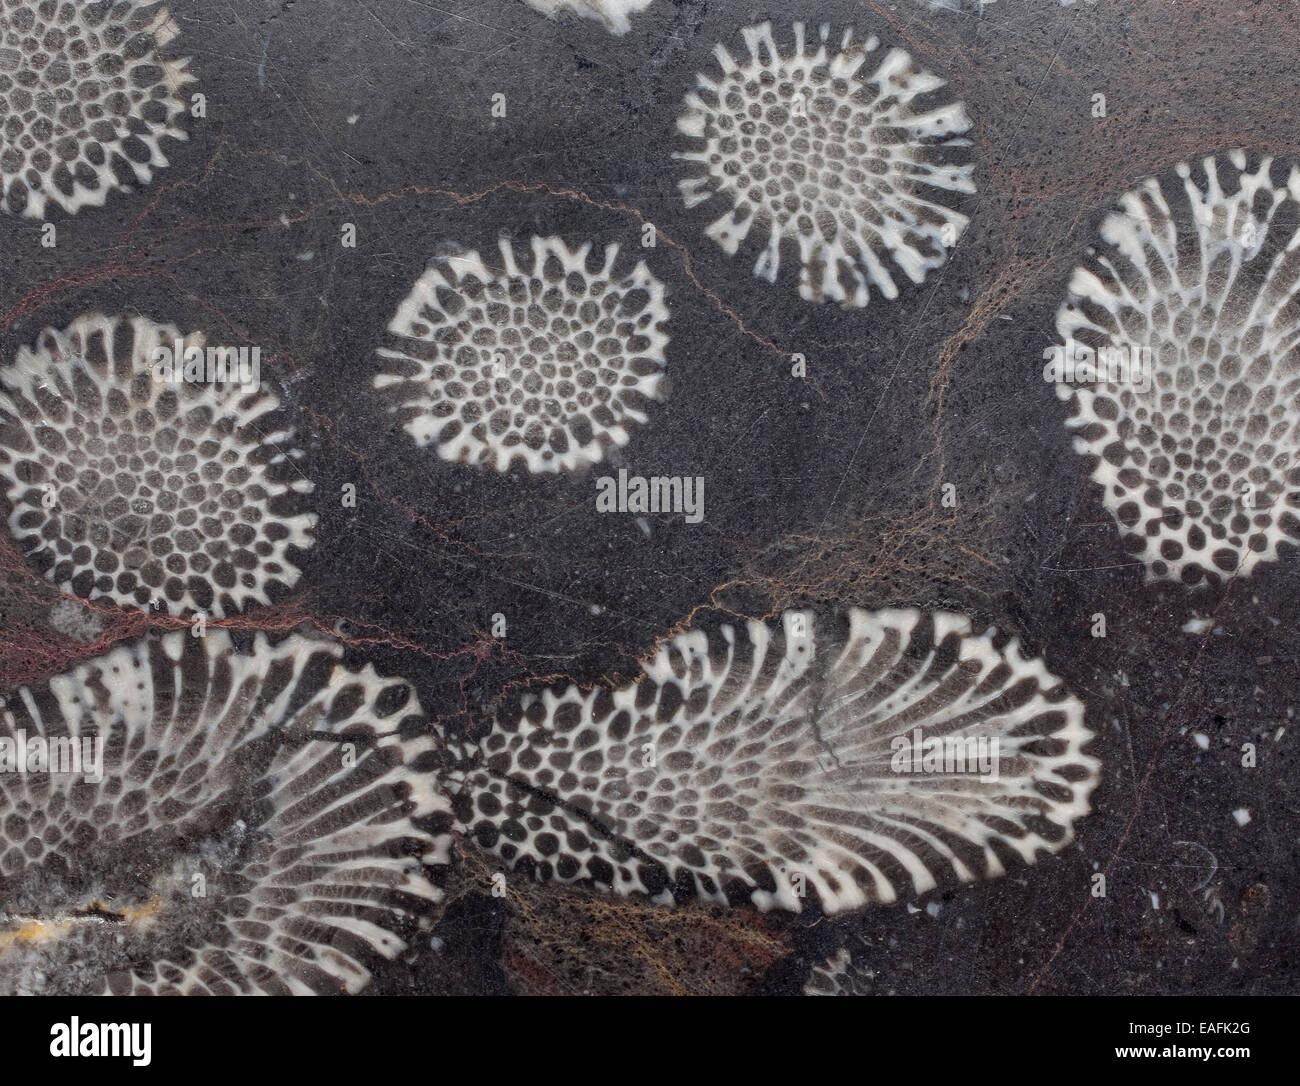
(550,365)
(189,815)
(845,164)
(85,100)
(1181,360)
(144,491)
(766,765)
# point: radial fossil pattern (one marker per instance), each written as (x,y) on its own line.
(86,98)
(847,165)
(1197,278)
(146,492)
(264,822)
(761,764)
(550,365)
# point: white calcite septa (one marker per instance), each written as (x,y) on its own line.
(87,95)
(1181,361)
(775,764)
(258,819)
(838,975)
(169,495)
(825,144)
(550,363)
(613,14)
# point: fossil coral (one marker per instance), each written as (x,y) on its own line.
(846,165)
(257,819)
(144,491)
(550,365)
(1182,361)
(613,13)
(85,100)
(838,975)
(760,764)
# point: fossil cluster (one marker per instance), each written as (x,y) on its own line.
(196,808)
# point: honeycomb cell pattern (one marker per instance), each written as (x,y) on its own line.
(613,14)
(847,166)
(761,765)
(1198,271)
(166,496)
(85,100)
(550,366)
(260,820)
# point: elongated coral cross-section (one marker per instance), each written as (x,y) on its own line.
(612,13)
(152,493)
(766,765)
(846,165)
(86,99)
(550,366)
(1189,315)
(259,819)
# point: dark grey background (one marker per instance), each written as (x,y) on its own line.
(821,493)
